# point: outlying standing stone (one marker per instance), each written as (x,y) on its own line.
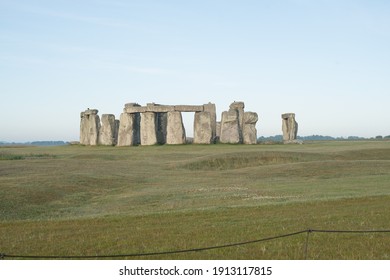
(289,127)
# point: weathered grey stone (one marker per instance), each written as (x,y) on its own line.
(289,127)
(107,130)
(132,104)
(157,108)
(210,107)
(230,130)
(129,130)
(133,110)
(239,106)
(117,123)
(148,128)
(175,130)
(203,128)
(249,130)
(189,108)
(218,130)
(89,127)
(161,126)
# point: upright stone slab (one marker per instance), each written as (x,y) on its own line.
(175,129)
(107,130)
(84,128)
(210,107)
(239,107)
(203,128)
(162,122)
(117,123)
(89,127)
(218,131)
(230,129)
(129,129)
(289,127)
(249,130)
(148,128)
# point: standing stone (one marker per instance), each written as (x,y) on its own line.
(148,128)
(289,127)
(230,129)
(84,136)
(239,107)
(117,123)
(203,128)
(249,130)
(89,127)
(129,129)
(107,130)
(218,131)
(162,122)
(175,129)
(210,107)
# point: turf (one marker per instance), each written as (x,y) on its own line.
(76,200)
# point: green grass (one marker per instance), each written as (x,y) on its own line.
(75,200)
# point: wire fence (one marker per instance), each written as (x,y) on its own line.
(308,233)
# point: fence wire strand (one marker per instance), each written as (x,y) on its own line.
(307,231)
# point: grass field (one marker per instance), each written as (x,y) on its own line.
(76,200)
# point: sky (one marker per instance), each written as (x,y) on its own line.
(328,61)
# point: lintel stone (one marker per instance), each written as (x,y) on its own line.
(288,115)
(159,108)
(133,110)
(189,108)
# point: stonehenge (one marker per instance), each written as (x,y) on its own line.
(289,128)
(148,125)
(163,124)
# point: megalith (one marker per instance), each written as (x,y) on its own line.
(249,132)
(89,127)
(210,107)
(218,131)
(148,131)
(239,107)
(175,129)
(203,128)
(107,130)
(129,129)
(161,127)
(289,127)
(230,128)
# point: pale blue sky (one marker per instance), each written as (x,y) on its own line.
(327,61)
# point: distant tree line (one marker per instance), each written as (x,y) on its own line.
(279,138)
(35,143)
